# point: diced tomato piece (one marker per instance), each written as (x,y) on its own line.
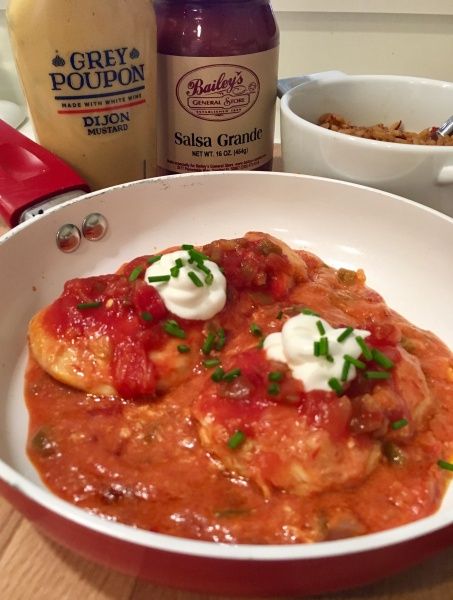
(65,315)
(384,334)
(147,299)
(254,265)
(280,285)
(133,373)
(325,411)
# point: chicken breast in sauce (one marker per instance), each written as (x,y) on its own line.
(106,335)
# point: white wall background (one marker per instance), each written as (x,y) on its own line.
(409,37)
(405,37)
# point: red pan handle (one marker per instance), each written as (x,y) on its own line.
(30,174)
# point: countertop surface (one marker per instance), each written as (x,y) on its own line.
(34,568)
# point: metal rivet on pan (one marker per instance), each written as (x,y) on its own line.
(68,237)
(94,227)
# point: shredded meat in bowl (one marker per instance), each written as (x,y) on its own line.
(394,132)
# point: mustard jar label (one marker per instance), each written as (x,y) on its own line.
(101,86)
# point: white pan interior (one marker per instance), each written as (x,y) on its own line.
(405,249)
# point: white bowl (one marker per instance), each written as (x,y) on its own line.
(347,226)
(421,173)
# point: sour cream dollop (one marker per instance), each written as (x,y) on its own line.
(180,294)
(294,345)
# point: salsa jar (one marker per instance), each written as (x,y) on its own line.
(217,72)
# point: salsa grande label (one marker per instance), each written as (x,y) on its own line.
(216,113)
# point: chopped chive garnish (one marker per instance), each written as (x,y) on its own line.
(236,440)
(329,357)
(211,362)
(217,375)
(275,376)
(279,314)
(382,359)
(221,339)
(260,344)
(146,316)
(345,370)
(376,375)
(230,375)
(195,279)
(399,424)
(204,268)
(316,348)
(179,263)
(354,361)
(273,389)
(158,278)
(209,279)
(172,328)
(135,273)
(255,329)
(308,311)
(443,464)
(366,350)
(187,247)
(208,343)
(84,305)
(335,385)
(346,333)
(153,259)
(323,346)
(197,257)
(320,327)
(183,348)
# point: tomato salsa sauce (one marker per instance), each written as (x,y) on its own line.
(202,435)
